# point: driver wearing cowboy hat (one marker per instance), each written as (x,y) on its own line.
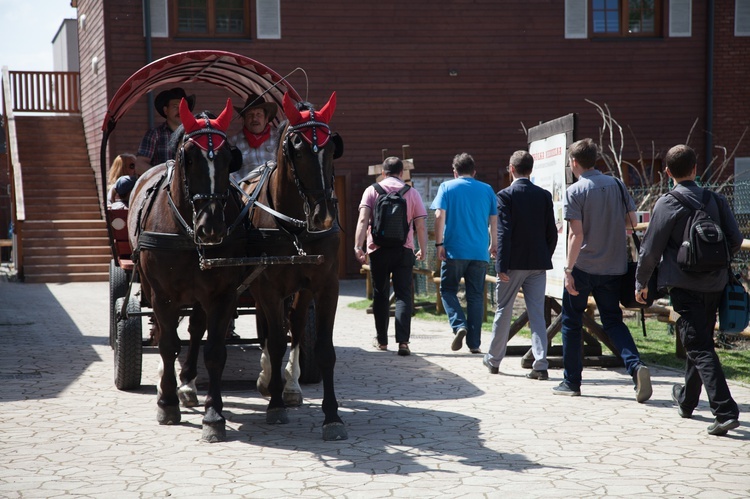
(154,148)
(257,140)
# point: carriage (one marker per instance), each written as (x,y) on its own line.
(265,242)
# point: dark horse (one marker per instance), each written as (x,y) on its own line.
(300,190)
(180,213)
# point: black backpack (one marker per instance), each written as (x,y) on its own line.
(390,224)
(704,246)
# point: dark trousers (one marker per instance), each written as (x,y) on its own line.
(394,264)
(696,329)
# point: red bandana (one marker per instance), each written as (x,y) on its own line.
(254,140)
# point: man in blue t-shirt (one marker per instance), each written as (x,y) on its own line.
(465,238)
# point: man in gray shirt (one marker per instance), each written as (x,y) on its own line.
(595,207)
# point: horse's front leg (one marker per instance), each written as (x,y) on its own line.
(215,358)
(168,404)
(187,392)
(298,322)
(276,347)
(326,302)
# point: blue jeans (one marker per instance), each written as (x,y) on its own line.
(606,292)
(473,273)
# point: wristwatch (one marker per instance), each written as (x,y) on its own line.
(358,248)
(568,270)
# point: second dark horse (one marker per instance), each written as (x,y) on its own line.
(301,189)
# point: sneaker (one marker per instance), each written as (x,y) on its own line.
(475,350)
(490,367)
(643,388)
(684,413)
(458,340)
(540,375)
(564,389)
(403,349)
(720,429)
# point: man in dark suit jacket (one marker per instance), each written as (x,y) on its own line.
(526,240)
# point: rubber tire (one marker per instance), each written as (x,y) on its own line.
(118,288)
(129,347)
(308,365)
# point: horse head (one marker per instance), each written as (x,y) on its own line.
(202,168)
(310,148)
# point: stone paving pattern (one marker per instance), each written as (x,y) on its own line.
(435,424)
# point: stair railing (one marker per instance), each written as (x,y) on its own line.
(49,92)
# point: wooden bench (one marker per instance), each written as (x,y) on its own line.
(439,301)
(365,270)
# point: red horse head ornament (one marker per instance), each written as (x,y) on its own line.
(206,133)
(312,125)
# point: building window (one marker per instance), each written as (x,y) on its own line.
(629,18)
(212,18)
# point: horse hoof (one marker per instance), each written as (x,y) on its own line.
(168,415)
(187,396)
(215,432)
(334,431)
(292,399)
(214,426)
(277,416)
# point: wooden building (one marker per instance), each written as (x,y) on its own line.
(447,77)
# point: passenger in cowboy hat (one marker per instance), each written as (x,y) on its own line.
(257,140)
(154,148)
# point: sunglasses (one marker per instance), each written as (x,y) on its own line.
(131,166)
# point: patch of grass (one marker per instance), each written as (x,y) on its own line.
(657,348)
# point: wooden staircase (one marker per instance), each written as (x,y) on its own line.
(64,238)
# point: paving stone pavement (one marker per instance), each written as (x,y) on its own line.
(434,424)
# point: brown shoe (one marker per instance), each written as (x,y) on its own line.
(378,346)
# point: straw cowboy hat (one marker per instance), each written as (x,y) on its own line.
(173,93)
(253,101)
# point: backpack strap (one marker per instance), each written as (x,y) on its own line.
(684,201)
(403,190)
(378,188)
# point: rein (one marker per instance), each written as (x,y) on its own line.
(220,198)
(325,193)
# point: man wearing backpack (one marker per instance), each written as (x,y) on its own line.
(695,295)
(387,220)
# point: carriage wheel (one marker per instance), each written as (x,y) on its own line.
(118,288)
(128,347)
(309,370)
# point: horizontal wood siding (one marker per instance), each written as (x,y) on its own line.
(731,84)
(390,64)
